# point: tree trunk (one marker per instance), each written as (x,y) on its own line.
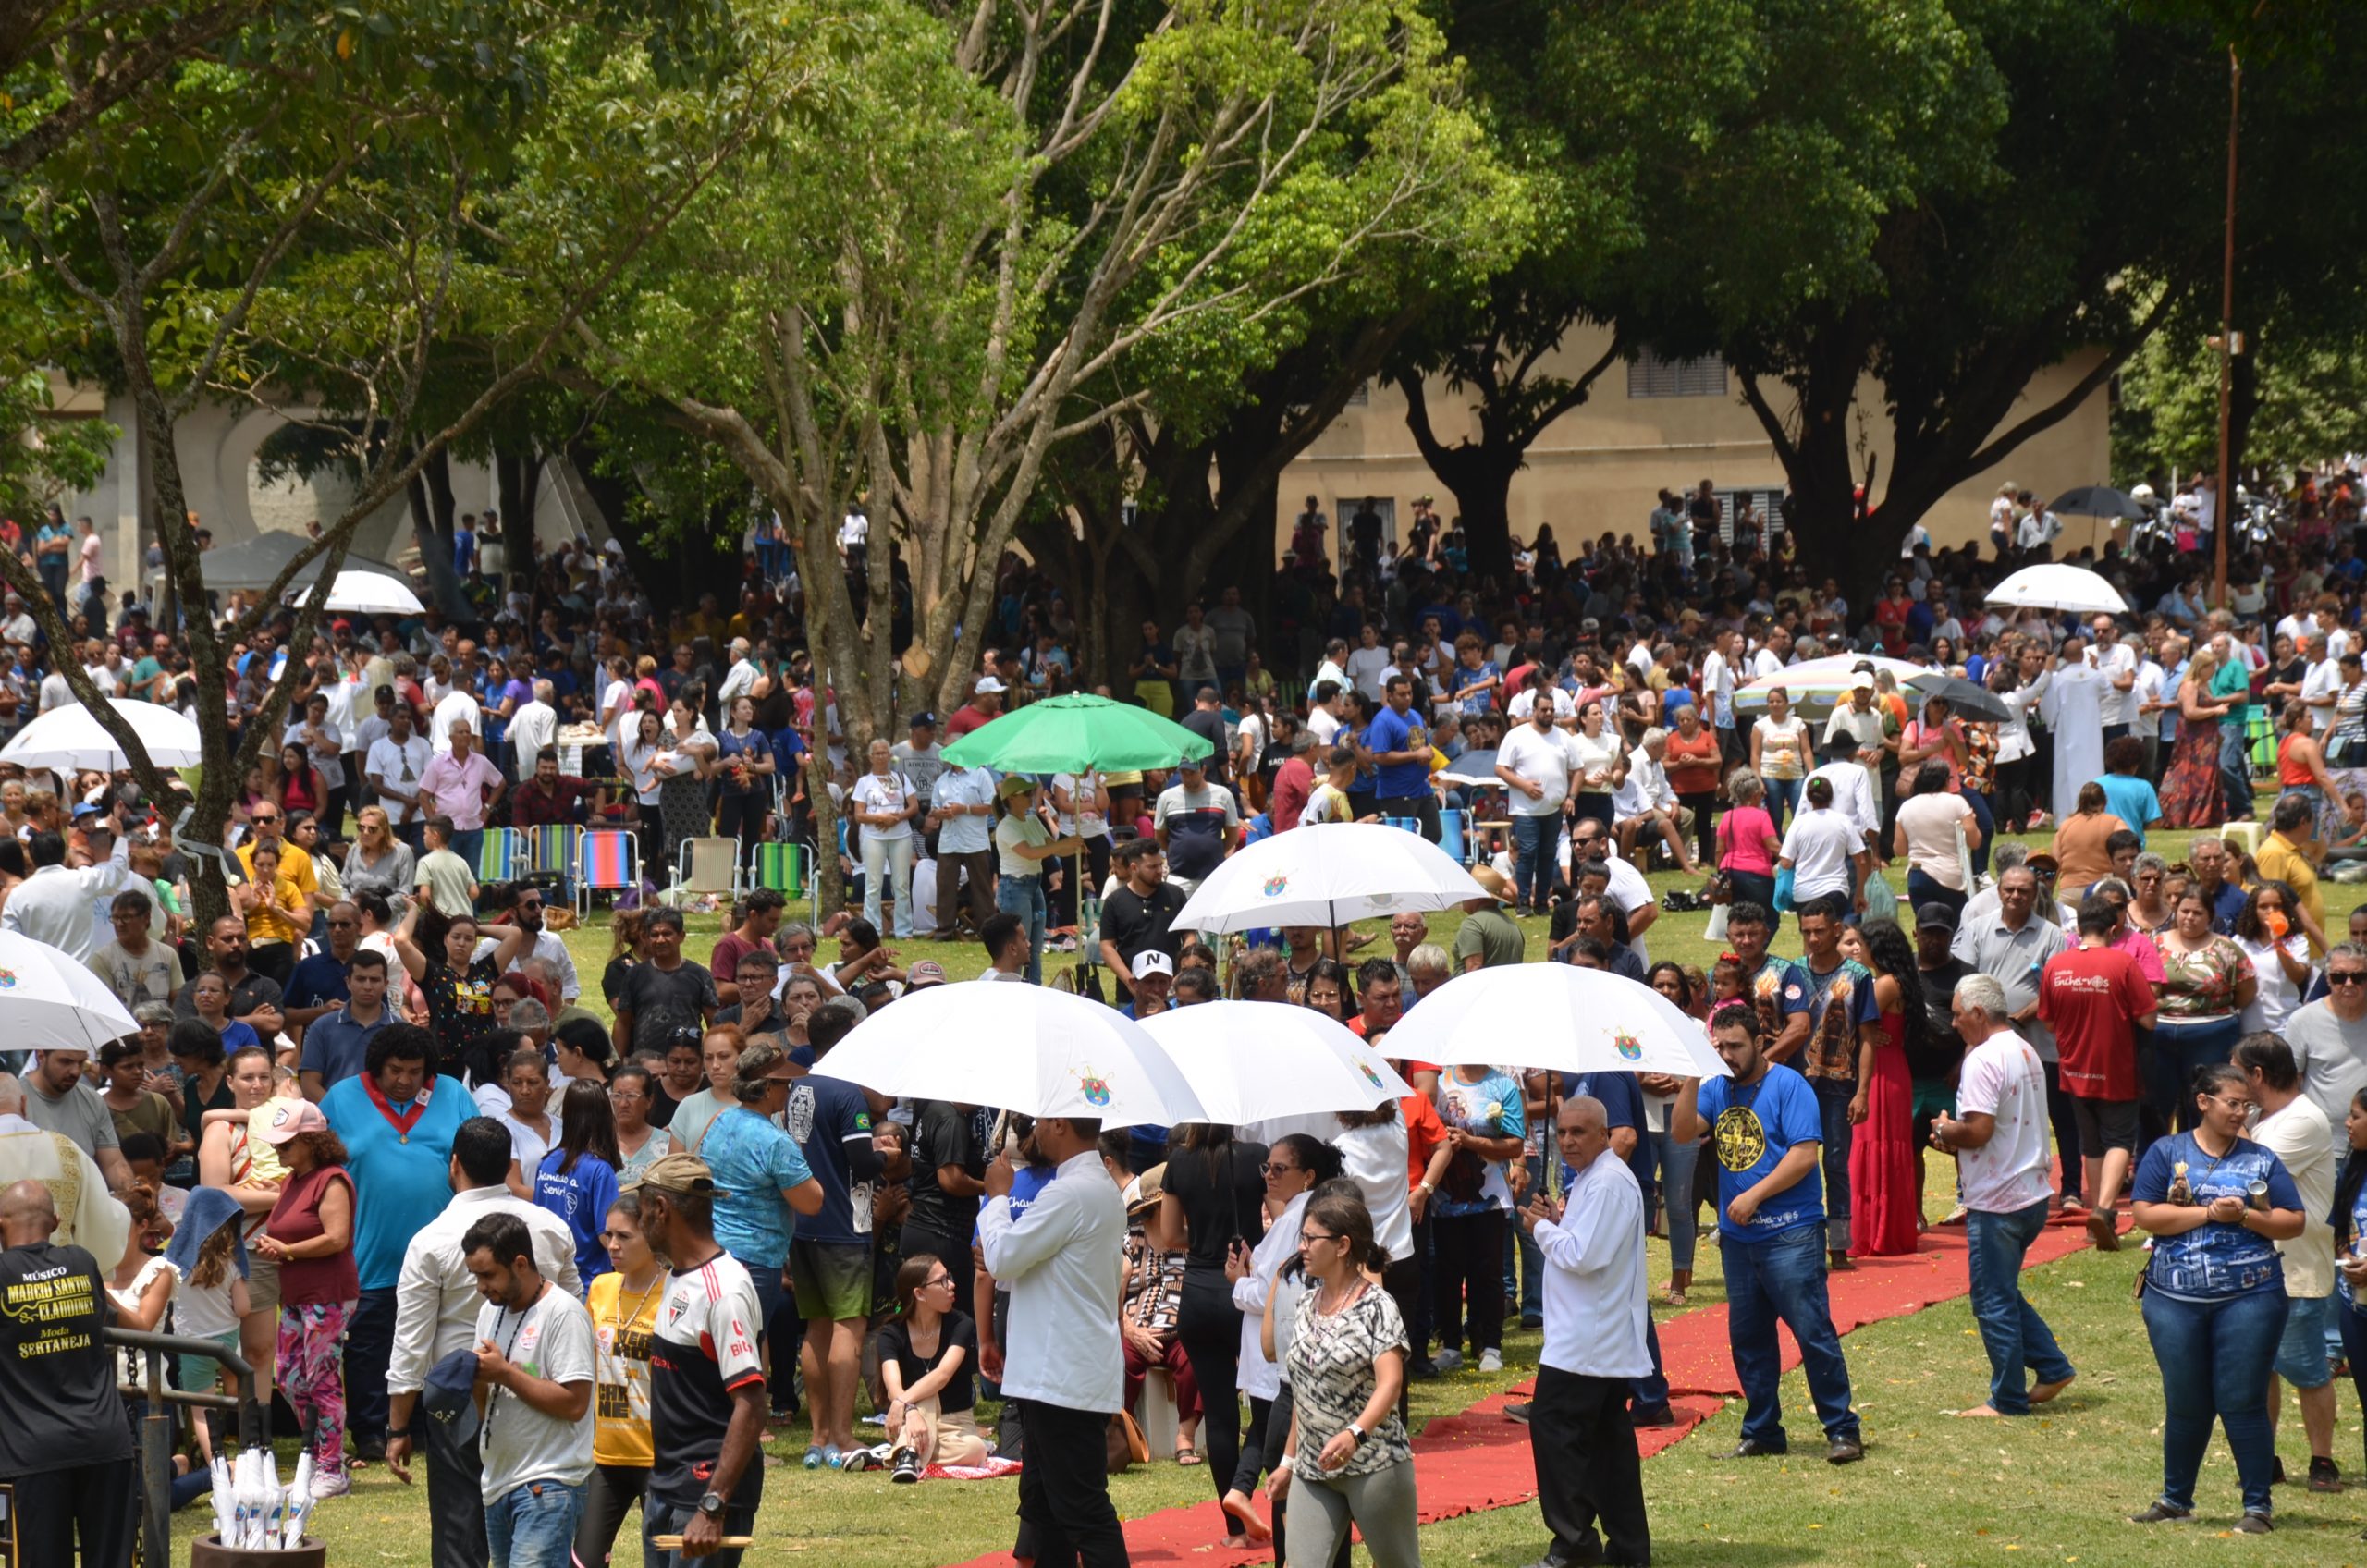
(517,479)
(433,525)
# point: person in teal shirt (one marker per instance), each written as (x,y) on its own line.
(396,1122)
(761,1181)
(2233,685)
(2128,796)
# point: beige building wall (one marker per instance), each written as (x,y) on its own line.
(1602,465)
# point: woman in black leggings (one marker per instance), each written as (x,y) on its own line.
(1214,1197)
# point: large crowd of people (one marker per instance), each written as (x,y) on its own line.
(370,1135)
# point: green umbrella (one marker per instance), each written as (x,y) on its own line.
(1071,734)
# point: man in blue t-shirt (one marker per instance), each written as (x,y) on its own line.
(1399,745)
(1766,1134)
(829,1259)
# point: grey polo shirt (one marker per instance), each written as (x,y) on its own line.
(2014,959)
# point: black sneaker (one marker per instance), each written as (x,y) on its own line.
(1425,1369)
(2326,1475)
(908,1468)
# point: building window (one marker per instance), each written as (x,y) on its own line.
(1649,375)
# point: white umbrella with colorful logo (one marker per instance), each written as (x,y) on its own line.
(1327,875)
(1018,1047)
(1555,1017)
(1253,1062)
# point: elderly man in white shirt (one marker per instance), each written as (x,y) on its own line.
(1645,804)
(1587,1467)
(436,1314)
(1062,1261)
(532,728)
(54,904)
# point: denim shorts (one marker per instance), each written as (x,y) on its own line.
(2302,1353)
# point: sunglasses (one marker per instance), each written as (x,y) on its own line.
(2347,977)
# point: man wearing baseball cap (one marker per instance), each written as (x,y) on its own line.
(706,1382)
(1154,978)
(985,702)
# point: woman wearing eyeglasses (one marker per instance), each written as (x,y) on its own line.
(2216,1204)
(623,1302)
(762,1180)
(928,1358)
(1293,1166)
(1349,1463)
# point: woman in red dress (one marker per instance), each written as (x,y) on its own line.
(1883,1158)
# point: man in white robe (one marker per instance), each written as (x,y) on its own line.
(2074,711)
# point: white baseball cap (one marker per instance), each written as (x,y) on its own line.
(988,683)
(1150,960)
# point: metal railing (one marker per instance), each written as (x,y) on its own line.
(157,1422)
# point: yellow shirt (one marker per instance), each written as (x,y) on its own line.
(623,1324)
(296,880)
(262,1154)
(2279,861)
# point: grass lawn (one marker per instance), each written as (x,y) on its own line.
(1932,1492)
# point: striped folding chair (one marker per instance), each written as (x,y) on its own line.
(501,857)
(550,854)
(607,861)
(787,869)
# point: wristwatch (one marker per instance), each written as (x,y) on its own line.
(1357,1434)
(712,1505)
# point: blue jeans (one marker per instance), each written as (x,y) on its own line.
(468,843)
(535,1527)
(2215,1357)
(2235,771)
(2016,1336)
(1023,895)
(1536,847)
(1675,1158)
(1648,1394)
(1782,798)
(1531,1290)
(1832,1108)
(2179,1051)
(1782,1280)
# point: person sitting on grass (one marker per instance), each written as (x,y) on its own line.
(928,1358)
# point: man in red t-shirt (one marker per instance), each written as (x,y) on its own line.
(2096,998)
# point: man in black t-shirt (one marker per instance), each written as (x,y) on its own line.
(948,1170)
(1140,913)
(1206,722)
(65,1447)
(663,994)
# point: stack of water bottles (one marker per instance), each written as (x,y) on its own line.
(251,1511)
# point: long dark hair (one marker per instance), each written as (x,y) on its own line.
(587,1124)
(1893,956)
(2346,1192)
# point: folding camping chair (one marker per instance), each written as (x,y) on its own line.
(502,856)
(607,861)
(787,869)
(704,868)
(550,857)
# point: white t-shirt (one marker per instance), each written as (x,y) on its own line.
(2144,726)
(399,763)
(2324,680)
(2004,1078)
(877,794)
(1323,725)
(526,1145)
(1366,667)
(1819,844)
(2119,707)
(552,1339)
(1929,822)
(1565,705)
(1544,759)
(452,709)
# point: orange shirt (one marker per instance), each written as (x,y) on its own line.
(1424,1134)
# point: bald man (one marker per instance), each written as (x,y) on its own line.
(87,1212)
(1588,1470)
(65,1447)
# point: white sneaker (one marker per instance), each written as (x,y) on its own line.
(1447,1360)
(330,1483)
(1490,1361)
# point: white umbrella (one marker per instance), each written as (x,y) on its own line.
(1813,682)
(1554,1016)
(2056,586)
(1250,1061)
(72,737)
(1327,875)
(369,593)
(1017,1047)
(51,1001)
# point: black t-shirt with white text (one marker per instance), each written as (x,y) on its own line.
(57,1378)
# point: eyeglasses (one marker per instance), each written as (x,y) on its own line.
(1308,1238)
(2237,1105)
(263,816)
(1273,1169)
(2347,977)
(944,1280)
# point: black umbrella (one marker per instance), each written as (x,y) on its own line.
(2096,500)
(1969,699)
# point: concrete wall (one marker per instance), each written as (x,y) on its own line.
(1602,465)
(216,446)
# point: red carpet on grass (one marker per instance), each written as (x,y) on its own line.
(1477,1461)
